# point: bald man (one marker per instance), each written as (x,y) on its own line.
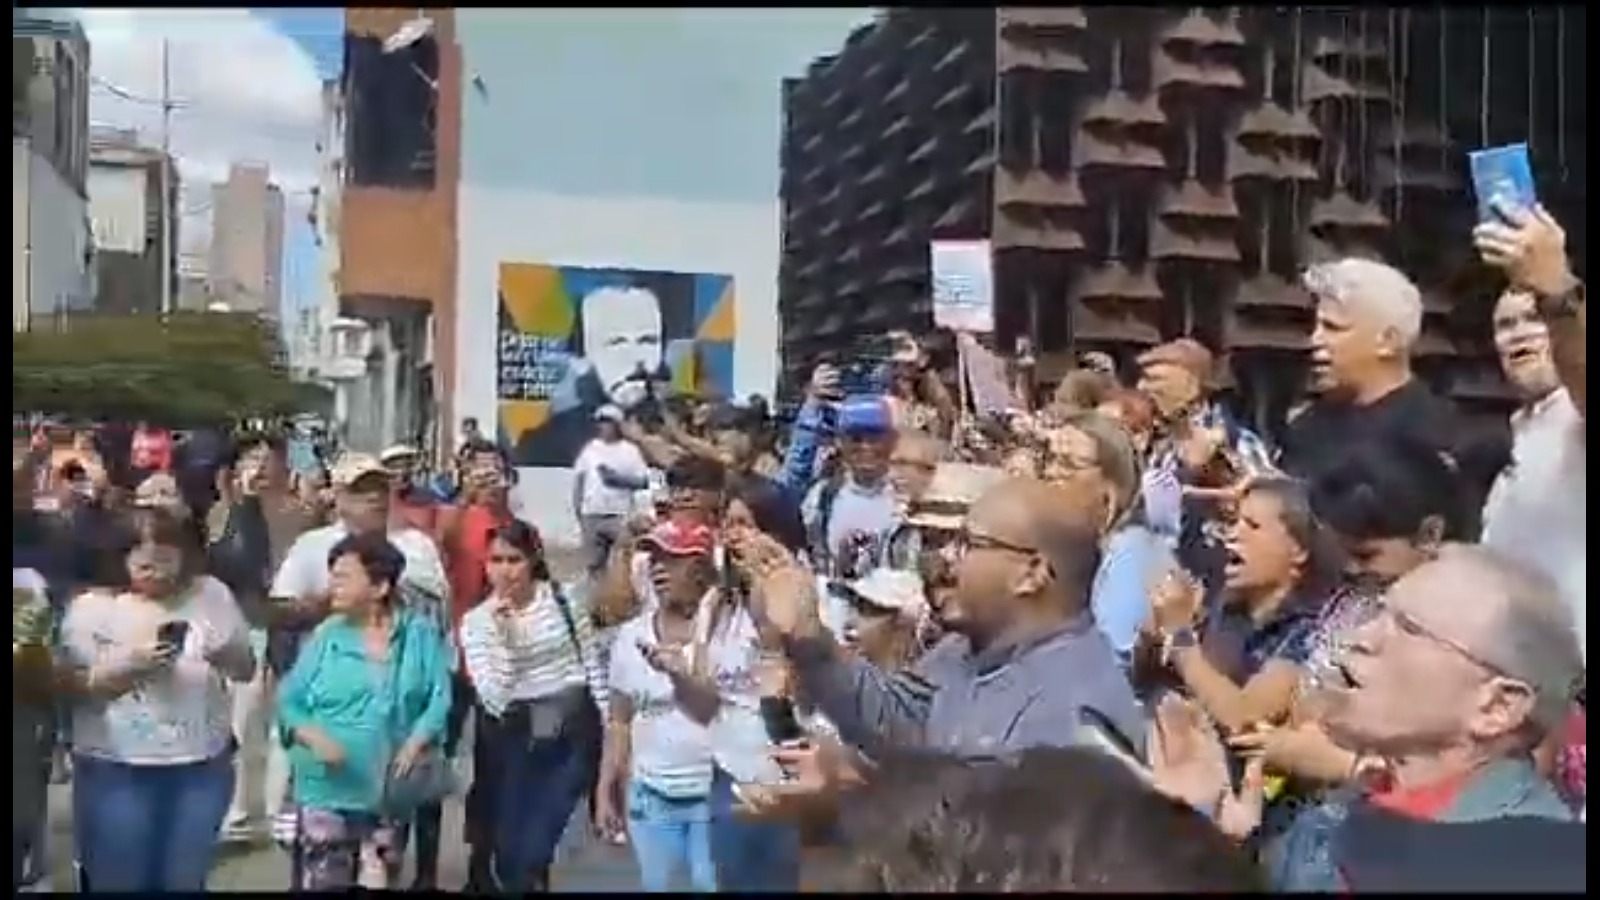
(1368,321)
(1470,665)
(1022,658)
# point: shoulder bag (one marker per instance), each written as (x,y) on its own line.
(569,713)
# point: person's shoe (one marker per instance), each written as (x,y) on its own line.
(238,831)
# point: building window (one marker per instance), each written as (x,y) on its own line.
(391,133)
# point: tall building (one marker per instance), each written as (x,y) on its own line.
(1144,173)
(133,199)
(51,246)
(246,256)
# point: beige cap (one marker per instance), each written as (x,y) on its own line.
(889,589)
(398,451)
(955,487)
(352,466)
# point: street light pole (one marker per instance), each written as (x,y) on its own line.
(168,206)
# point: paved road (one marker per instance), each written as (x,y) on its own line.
(584,866)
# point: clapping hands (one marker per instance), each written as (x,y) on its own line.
(783,592)
(1189,763)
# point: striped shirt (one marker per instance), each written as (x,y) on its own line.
(530,654)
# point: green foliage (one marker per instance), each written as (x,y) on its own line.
(182,369)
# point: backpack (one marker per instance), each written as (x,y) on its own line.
(827,495)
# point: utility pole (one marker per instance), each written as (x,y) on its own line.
(168,202)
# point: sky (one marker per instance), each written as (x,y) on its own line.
(248,86)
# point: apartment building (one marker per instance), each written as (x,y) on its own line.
(246,257)
(52,253)
(133,197)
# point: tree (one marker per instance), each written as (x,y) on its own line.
(180,369)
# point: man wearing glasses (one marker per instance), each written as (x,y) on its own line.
(1469,666)
(1022,658)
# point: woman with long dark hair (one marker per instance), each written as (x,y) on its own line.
(534,663)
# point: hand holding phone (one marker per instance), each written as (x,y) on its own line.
(781,723)
(173,634)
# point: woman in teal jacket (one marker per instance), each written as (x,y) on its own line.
(363,710)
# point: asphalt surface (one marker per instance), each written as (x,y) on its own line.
(584,865)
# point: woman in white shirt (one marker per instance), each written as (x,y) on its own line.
(715,684)
(656,775)
(533,660)
(152,739)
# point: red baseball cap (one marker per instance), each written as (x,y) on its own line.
(676,537)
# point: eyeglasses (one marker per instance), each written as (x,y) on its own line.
(1410,626)
(967,541)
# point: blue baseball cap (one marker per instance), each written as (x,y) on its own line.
(865,415)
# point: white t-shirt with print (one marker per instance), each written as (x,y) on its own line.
(598,498)
(671,752)
(177,716)
(304,571)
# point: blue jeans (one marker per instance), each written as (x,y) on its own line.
(532,788)
(751,857)
(668,834)
(149,828)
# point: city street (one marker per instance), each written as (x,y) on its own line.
(585,865)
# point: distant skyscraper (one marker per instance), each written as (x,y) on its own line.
(246,257)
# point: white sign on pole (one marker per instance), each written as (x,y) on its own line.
(963,286)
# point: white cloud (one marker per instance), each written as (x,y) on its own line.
(246,92)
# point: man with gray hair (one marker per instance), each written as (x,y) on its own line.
(1368,321)
(1446,693)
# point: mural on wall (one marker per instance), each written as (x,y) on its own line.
(572,339)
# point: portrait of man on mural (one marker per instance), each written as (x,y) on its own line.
(625,328)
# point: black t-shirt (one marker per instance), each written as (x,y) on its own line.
(1324,432)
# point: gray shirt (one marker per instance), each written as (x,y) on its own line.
(1005,699)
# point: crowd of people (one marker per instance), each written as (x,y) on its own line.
(1111,639)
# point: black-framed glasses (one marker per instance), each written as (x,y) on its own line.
(966,541)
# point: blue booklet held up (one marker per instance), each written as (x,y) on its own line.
(1502,177)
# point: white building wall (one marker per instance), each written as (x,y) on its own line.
(118,200)
(648,141)
(51,242)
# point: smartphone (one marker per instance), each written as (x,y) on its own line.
(1502,178)
(778,716)
(173,634)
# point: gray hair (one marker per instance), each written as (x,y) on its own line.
(1536,641)
(1380,292)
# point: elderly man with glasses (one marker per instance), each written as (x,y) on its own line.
(1443,698)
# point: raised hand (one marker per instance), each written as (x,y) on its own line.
(1530,247)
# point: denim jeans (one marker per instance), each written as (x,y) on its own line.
(149,828)
(751,857)
(530,790)
(668,834)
